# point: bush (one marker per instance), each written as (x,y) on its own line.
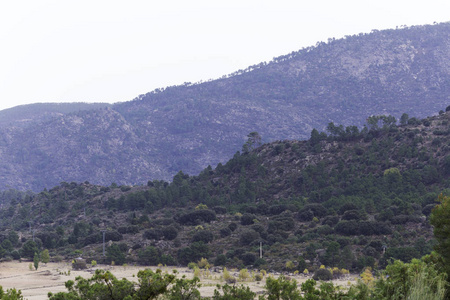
(323,274)
(221,260)
(150,256)
(153,234)
(248,236)
(324,230)
(115,253)
(352,215)
(247,219)
(194,252)
(220,210)
(233,226)
(79,264)
(169,232)
(197,217)
(347,228)
(15,255)
(330,220)
(224,232)
(113,236)
(204,236)
(248,258)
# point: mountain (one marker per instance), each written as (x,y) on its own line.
(23,115)
(192,126)
(346,199)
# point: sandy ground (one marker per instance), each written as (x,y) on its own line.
(35,285)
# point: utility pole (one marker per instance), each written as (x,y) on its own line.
(260,249)
(104,231)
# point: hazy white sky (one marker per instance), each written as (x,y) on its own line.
(109,51)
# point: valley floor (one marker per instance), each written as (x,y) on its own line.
(35,285)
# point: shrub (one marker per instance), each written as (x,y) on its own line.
(220,210)
(244,275)
(153,234)
(194,252)
(169,233)
(248,236)
(347,227)
(203,263)
(150,256)
(248,258)
(228,277)
(330,220)
(113,236)
(198,216)
(323,274)
(220,260)
(192,265)
(233,226)
(224,232)
(79,264)
(352,215)
(247,219)
(204,236)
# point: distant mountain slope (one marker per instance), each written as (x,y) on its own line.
(351,199)
(30,113)
(188,127)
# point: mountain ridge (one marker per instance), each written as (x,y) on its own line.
(192,126)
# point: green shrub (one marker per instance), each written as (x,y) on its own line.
(323,274)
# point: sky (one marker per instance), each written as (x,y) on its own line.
(113,51)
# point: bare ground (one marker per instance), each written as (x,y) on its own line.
(35,285)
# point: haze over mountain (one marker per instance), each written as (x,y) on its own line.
(191,126)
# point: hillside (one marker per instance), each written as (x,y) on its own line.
(23,115)
(350,198)
(192,126)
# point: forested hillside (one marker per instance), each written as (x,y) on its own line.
(344,198)
(191,126)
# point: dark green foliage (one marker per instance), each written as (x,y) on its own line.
(153,234)
(247,219)
(440,219)
(323,274)
(104,285)
(197,217)
(347,228)
(204,236)
(116,253)
(28,249)
(330,220)
(362,227)
(232,226)
(224,232)
(248,236)
(150,256)
(132,229)
(405,254)
(233,292)
(248,258)
(220,210)
(185,289)
(282,288)
(194,252)
(353,215)
(169,233)
(220,260)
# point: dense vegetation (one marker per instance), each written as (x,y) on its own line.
(353,198)
(190,126)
